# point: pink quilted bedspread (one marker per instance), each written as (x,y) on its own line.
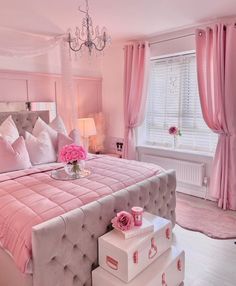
(31,196)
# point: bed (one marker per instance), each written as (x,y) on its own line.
(64,247)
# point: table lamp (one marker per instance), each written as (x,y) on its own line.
(87,128)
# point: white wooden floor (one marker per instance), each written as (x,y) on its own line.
(209,262)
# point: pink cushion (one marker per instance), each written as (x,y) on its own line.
(74,137)
(40,148)
(13,156)
(58,125)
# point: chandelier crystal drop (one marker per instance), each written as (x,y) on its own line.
(87,36)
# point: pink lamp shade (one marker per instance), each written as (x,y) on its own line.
(87,128)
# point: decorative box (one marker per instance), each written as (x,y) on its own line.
(126,258)
(167,270)
(146,227)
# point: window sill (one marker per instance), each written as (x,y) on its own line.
(175,151)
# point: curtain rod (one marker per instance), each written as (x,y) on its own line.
(176,38)
(171,39)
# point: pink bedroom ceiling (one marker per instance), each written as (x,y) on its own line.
(125,19)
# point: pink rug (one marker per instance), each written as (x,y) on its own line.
(204,216)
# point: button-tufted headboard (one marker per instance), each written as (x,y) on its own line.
(25,120)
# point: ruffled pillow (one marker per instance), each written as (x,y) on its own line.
(40,148)
(13,156)
(8,130)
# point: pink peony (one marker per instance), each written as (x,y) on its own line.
(72,153)
(123,221)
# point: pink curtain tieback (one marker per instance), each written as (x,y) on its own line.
(131,126)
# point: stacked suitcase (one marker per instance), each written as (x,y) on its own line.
(144,260)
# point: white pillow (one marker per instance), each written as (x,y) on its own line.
(58,125)
(13,156)
(40,126)
(40,148)
(8,130)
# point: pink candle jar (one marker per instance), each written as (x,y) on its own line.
(137,213)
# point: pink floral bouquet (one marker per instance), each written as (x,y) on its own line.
(123,221)
(173,130)
(72,153)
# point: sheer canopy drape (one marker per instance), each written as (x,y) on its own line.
(19,44)
(216,65)
(67,101)
(136,68)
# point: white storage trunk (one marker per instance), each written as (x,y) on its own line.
(167,270)
(126,258)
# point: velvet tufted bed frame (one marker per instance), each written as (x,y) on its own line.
(65,248)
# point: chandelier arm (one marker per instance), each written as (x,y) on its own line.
(87,8)
(82,11)
(76,50)
(100,49)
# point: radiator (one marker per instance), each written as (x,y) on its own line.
(192,173)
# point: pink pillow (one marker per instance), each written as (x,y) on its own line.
(58,125)
(41,126)
(40,148)
(8,130)
(13,156)
(75,135)
(73,138)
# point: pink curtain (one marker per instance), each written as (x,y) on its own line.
(135,91)
(216,64)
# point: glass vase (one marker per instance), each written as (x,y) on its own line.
(75,168)
(174,142)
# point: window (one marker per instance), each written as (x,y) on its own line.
(173,100)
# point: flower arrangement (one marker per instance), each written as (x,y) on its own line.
(173,130)
(123,221)
(71,155)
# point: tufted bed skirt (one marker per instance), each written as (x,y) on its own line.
(65,248)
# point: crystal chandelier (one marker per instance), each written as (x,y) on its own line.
(87,36)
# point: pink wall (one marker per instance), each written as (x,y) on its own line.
(19,83)
(89,96)
(19,86)
(41,87)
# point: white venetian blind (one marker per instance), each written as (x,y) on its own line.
(173,100)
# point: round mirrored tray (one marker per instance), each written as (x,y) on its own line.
(61,175)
